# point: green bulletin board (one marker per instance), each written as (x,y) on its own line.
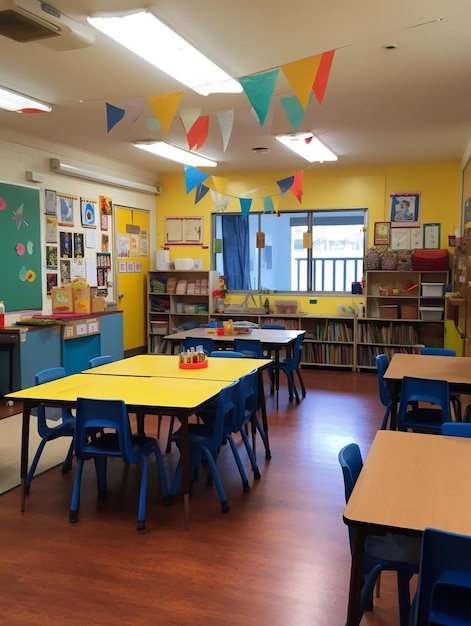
(20,251)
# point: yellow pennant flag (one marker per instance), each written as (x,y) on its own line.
(301,75)
(220,184)
(165,108)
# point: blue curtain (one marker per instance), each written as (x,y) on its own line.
(235,242)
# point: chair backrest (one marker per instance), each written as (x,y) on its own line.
(438,351)
(444,583)
(295,359)
(382,363)
(223,419)
(228,354)
(193,342)
(48,413)
(351,463)
(274,326)
(101,360)
(249,347)
(456,429)
(247,400)
(432,391)
(93,413)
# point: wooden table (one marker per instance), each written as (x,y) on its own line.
(455,369)
(409,482)
(140,393)
(218,369)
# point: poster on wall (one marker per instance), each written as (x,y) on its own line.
(88,213)
(405,209)
(65,209)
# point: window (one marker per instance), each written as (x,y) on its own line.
(284,264)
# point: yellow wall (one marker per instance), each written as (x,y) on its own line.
(330,188)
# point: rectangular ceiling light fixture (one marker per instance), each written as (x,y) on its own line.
(166,150)
(12,101)
(149,38)
(307,146)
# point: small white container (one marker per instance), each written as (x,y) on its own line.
(184,264)
(433,290)
(431,313)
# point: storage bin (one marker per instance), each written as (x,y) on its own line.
(431,313)
(159,328)
(389,311)
(409,312)
(286,307)
(433,290)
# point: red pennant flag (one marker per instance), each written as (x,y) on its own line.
(320,82)
(297,186)
(198,133)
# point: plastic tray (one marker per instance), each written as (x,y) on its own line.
(193,366)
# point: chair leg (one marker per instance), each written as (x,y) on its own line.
(34,464)
(251,455)
(456,404)
(75,500)
(141,514)
(217,480)
(403,589)
(67,465)
(301,382)
(238,460)
(384,423)
(168,447)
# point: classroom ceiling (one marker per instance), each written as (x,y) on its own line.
(408,104)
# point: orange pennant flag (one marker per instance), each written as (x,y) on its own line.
(320,82)
(297,186)
(198,133)
(165,108)
(301,75)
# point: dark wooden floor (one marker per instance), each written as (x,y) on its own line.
(280,557)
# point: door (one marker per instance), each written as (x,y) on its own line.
(132,246)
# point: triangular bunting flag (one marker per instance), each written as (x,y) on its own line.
(297,186)
(226,122)
(189,117)
(285,184)
(134,108)
(259,90)
(198,133)
(165,108)
(320,82)
(268,205)
(153,124)
(113,116)
(300,75)
(220,184)
(245,204)
(193,178)
(201,191)
(294,111)
(220,201)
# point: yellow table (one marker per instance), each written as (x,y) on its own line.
(141,394)
(218,368)
(409,481)
(455,369)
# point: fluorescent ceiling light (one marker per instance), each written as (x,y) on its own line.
(12,101)
(307,146)
(146,36)
(166,150)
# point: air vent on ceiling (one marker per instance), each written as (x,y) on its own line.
(32,20)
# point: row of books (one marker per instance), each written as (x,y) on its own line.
(332,331)
(367,354)
(388,333)
(332,354)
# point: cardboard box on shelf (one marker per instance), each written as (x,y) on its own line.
(62,300)
(97,304)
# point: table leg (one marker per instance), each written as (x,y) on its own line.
(353,614)
(395,388)
(185,452)
(24,450)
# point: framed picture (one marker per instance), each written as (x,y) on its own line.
(50,202)
(400,239)
(405,209)
(382,233)
(432,236)
(184,231)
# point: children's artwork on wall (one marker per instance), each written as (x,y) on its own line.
(65,244)
(78,245)
(51,229)
(104,221)
(105,243)
(144,246)
(106,205)
(405,209)
(51,281)
(130,267)
(50,202)
(134,244)
(137,266)
(65,271)
(382,233)
(51,257)
(416,238)
(400,239)
(88,213)
(123,245)
(122,267)
(78,268)
(432,236)
(65,205)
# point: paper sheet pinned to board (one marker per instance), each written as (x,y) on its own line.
(91,274)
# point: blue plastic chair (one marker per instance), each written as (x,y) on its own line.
(274,326)
(116,441)
(388,552)
(228,354)
(384,387)
(444,586)
(206,342)
(413,415)
(290,366)
(456,429)
(249,347)
(205,440)
(454,397)
(64,427)
(101,360)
